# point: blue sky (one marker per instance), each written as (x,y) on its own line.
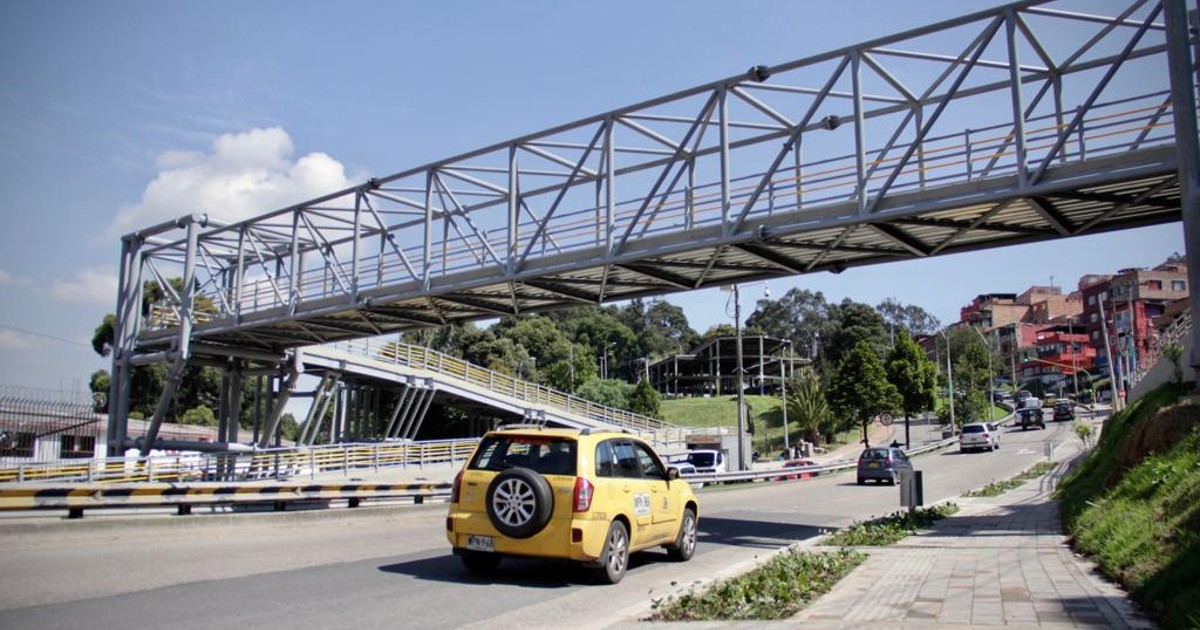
(117,115)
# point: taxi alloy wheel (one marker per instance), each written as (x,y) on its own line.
(519,502)
(685,544)
(616,553)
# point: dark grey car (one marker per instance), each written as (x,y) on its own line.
(882,463)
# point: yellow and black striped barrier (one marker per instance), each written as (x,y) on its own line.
(75,498)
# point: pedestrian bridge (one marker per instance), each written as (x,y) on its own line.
(1013,125)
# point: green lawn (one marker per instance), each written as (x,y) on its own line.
(766,414)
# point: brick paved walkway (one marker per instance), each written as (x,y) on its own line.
(1000,561)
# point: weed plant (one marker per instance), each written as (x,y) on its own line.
(997,488)
(892,528)
(776,590)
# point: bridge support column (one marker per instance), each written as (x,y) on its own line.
(271,426)
(1183,102)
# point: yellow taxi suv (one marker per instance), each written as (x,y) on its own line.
(588,497)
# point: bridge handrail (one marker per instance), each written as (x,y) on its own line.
(973,154)
(261,464)
(497,382)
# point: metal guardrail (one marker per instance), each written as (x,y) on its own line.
(75,498)
(498,382)
(838,466)
(251,466)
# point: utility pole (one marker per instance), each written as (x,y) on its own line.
(1074,365)
(1014,346)
(1112,373)
(949,376)
(741,395)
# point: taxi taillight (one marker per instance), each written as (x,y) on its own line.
(583,494)
(454,489)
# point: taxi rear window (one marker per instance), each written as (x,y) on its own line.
(548,456)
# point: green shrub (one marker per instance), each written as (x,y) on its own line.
(775,590)
(889,529)
(996,488)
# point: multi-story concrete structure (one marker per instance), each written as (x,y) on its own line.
(1061,353)
(1132,300)
(711,369)
(993,310)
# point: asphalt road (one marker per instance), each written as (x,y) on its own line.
(389,567)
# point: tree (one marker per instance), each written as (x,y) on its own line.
(200,415)
(663,330)
(914,376)
(602,334)
(916,320)
(801,316)
(289,429)
(608,392)
(717,331)
(808,407)
(644,399)
(855,322)
(105,335)
(860,389)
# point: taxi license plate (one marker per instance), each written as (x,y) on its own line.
(481,543)
(874,465)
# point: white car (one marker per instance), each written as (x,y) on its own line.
(978,435)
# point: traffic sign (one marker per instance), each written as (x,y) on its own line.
(885,419)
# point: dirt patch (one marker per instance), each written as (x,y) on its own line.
(1155,434)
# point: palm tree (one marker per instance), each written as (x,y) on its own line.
(808,407)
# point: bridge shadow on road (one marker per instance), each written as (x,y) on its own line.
(754,533)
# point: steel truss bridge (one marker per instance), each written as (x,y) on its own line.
(1022,123)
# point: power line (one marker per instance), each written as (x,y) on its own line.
(38,334)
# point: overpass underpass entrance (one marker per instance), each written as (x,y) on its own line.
(1017,124)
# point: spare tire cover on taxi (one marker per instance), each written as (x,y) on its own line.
(519,502)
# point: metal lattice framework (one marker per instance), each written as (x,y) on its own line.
(1012,125)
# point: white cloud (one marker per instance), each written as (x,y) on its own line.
(12,340)
(94,285)
(8,279)
(244,175)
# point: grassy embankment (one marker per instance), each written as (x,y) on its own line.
(1134,506)
(766,413)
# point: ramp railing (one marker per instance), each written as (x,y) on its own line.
(499,383)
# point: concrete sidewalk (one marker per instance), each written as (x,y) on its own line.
(1000,561)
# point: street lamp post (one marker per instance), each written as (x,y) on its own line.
(783,393)
(604,362)
(949,376)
